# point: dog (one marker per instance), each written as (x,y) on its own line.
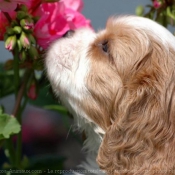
(119,84)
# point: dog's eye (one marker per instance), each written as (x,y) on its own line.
(105,46)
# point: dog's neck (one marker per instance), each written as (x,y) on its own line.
(94,134)
(83,123)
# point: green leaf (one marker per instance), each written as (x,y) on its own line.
(169,13)
(8,126)
(58,108)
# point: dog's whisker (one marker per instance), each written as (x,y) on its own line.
(68,132)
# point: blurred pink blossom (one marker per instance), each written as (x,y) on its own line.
(4,23)
(10,5)
(76,5)
(43,126)
(156,4)
(32,94)
(56,19)
(52,23)
(33,5)
(76,19)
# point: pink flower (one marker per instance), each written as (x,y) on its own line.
(56,19)
(10,5)
(76,19)
(32,94)
(76,5)
(33,4)
(52,24)
(156,4)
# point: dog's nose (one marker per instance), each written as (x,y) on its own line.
(69,33)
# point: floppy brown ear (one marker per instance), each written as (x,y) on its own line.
(141,138)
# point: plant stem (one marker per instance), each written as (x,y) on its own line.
(11,151)
(17,112)
(19,143)
(18,109)
(16,71)
(19,137)
(9,142)
(20,95)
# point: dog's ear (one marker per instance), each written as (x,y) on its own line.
(141,135)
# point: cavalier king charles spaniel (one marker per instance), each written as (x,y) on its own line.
(119,84)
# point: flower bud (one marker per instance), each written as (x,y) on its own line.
(19,45)
(17,29)
(31,38)
(157,4)
(27,24)
(10,42)
(32,91)
(21,15)
(33,52)
(139,10)
(24,41)
(23,55)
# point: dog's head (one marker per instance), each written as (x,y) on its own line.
(122,79)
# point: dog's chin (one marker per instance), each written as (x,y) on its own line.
(65,66)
